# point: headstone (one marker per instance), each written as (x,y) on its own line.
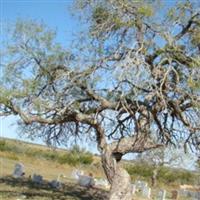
(38,179)
(19,170)
(198,195)
(191,194)
(174,194)
(140,185)
(146,192)
(162,195)
(86,181)
(76,173)
(133,188)
(184,193)
(55,184)
(102,183)
(194,195)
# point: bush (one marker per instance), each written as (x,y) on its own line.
(86,159)
(187,177)
(69,159)
(51,155)
(75,158)
(3,145)
(165,174)
(48,155)
(10,147)
(12,156)
(175,176)
(140,170)
(33,153)
(76,150)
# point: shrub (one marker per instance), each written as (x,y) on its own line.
(140,170)
(168,175)
(68,158)
(165,174)
(75,158)
(86,159)
(76,150)
(50,155)
(33,153)
(3,145)
(12,156)
(10,147)
(187,177)
(62,159)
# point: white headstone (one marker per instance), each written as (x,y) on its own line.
(86,181)
(133,188)
(146,192)
(102,183)
(140,185)
(76,173)
(37,179)
(190,194)
(162,195)
(19,170)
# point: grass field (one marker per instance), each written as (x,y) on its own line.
(13,189)
(42,161)
(17,189)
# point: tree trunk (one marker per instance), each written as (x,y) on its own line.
(121,188)
(111,154)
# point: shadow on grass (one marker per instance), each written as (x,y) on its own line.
(26,187)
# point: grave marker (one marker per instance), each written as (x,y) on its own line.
(38,179)
(162,195)
(19,170)
(146,192)
(174,194)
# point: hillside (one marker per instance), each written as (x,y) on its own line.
(50,163)
(37,158)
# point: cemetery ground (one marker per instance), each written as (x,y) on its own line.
(49,168)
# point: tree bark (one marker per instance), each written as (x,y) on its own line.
(121,188)
(111,155)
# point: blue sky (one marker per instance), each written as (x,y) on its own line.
(54,13)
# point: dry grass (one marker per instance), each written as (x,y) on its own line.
(48,169)
(12,189)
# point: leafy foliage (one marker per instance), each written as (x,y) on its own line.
(76,156)
(3,146)
(165,174)
(100,15)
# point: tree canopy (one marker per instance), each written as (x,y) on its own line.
(142,75)
(132,81)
